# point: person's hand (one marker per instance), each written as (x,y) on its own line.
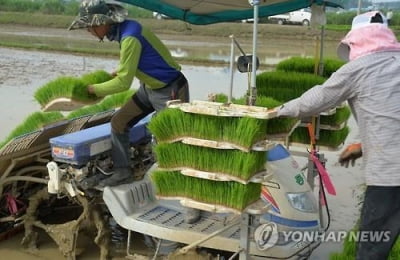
(350,154)
(90,89)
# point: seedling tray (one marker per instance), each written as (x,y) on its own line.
(256,208)
(222,109)
(259,177)
(263,145)
(67,104)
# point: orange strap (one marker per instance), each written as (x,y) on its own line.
(311,133)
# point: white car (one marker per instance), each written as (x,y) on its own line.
(160,16)
(302,16)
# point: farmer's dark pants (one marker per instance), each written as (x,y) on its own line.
(380,212)
(142,103)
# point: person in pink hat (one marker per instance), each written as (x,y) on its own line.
(370,83)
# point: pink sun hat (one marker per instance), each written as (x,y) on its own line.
(369,33)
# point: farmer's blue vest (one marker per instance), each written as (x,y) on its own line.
(155,59)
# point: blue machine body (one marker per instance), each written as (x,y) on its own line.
(79,147)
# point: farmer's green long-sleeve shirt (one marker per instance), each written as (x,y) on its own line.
(142,55)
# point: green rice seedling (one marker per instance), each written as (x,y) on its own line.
(108,103)
(297,64)
(331,65)
(171,124)
(284,86)
(168,124)
(33,122)
(222,98)
(116,100)
(70,87)
(98,76)
(349,249)
(307,65)
(327,138)
(245,131)
(60,87)
(229,194)
(342,115)
(395,252)
(86,110)
(232,162)
(242,131)
(276,125)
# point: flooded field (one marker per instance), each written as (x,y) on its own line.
(22,72)
(270,49)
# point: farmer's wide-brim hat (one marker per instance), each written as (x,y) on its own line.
(360,21)
(98,12)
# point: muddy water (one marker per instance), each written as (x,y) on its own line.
(22,72)
(270,50)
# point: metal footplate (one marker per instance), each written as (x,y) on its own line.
(135,207)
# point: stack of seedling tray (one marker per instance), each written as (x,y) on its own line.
(291,79)
(211,156)
(332,129)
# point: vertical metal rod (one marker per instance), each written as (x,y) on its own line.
(232,61)
(244,237)
(128,246)
(254,63)
(84,64)
(320,71)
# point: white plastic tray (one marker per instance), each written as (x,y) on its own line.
(214,176)
(223,110)
(256,208)
(67,104)
(260,146)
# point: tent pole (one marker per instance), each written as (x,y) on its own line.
(232,61)
(253,91)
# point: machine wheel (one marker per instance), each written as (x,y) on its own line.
(159,17)
(280,22)
(306,22)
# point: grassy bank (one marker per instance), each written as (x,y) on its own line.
(171,26)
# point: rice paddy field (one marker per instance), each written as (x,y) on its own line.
(23,71)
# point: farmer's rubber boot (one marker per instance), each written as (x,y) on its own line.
(122,172)
(191,215)
(120,150)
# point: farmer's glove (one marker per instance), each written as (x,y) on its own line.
(350,154)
